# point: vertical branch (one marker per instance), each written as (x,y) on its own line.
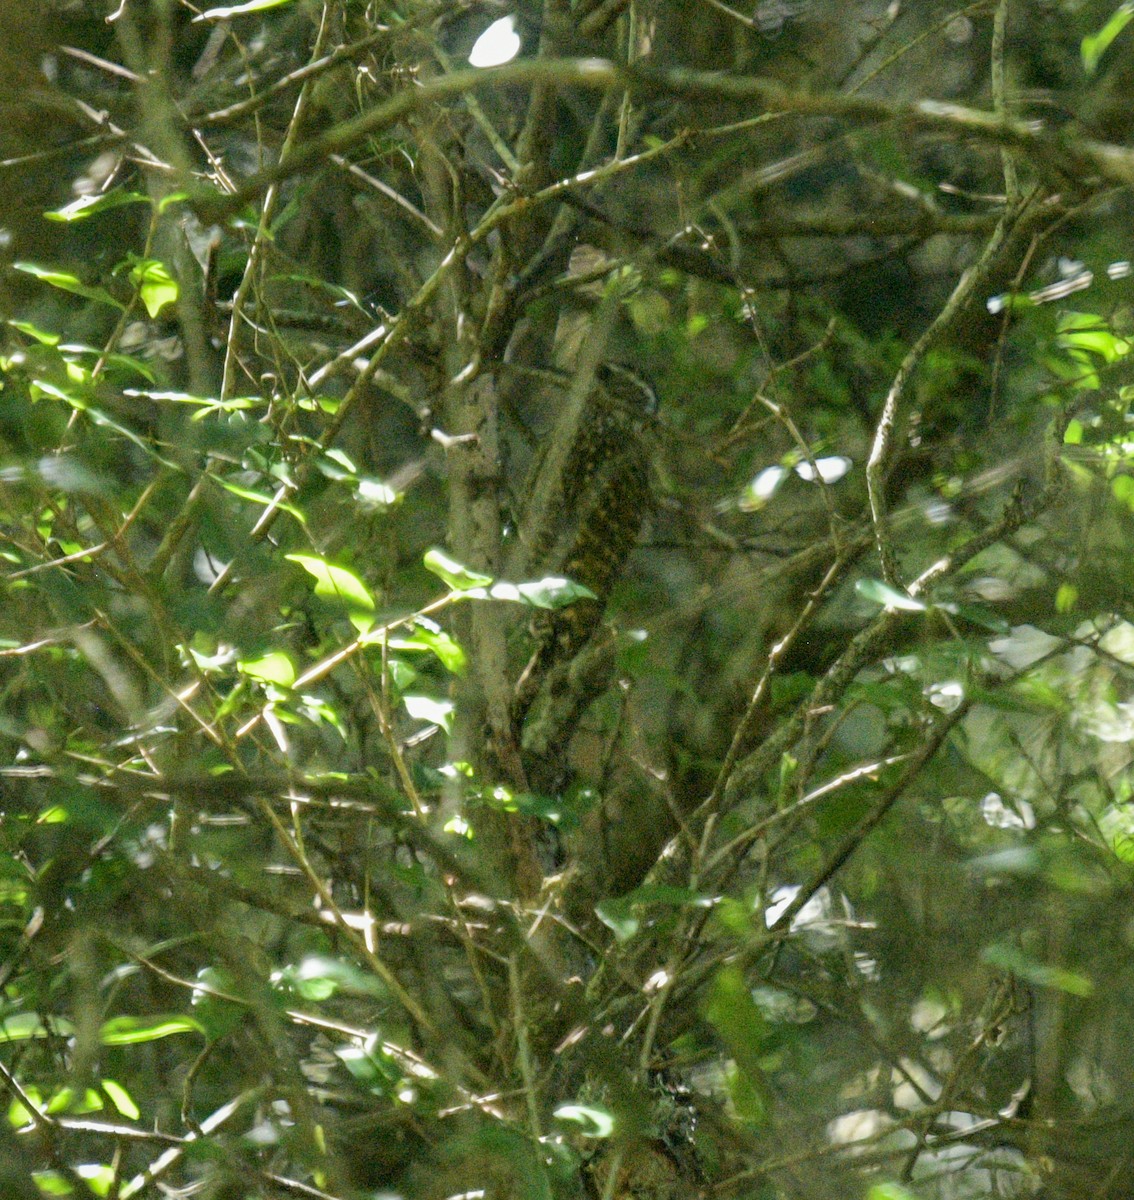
(882,451)
(150,60)
(483,735)
(534,147)
(475,533)
(260,239)
(1002,103)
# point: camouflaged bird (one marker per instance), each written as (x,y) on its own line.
(592,510)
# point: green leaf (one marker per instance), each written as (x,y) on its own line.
(375,495)
(239,10)
(1108,346)
(1117,826)
(207,404)
(155,285)
(619,917)
(337,583)
(734,1014)
(425,708)
(173,198)
(52,1183)
(370,1064)
(890,598)
(890,1191)
(318,977)
(259,498)
(619,913)
(88,206)
(1095,45)
(1011,958)
(67,1100)
(129,1031)
(429,636)
(552,592)
(33,331)
(98,1177)
(593,1121)
(459,578)
(76,401)
(212,1000)
(121,1099)
(21,1027)
(18,1113)
(275,667)
(1066,598)
(68,283)
(1122,487)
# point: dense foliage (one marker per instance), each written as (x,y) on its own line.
(566,599)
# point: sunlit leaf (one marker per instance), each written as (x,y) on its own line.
(370,1064)
(888,597)
(426,635)
(621,913)
(33,331)
(18,1112)
(66,282)
(890,1191)
(1117,826)
(619,917)
(592,1121)
(67,1100)
(172,198)
(259,498)
(828,470)
(762,488)
(88,206)
(1095,45)
(52,1183)
(239,10)
(375,494)
(97,1176)
(155,285)
(208,404)
(337,583)
(129,1031)
(1066,598)
(458,577)
(426,708)
(77,401)
(1107,345)
(1122,488)
(336,455)
(553,592)
(121,1099)
(318,977)
(275,667)
(20,1027)
(319,711)
(498,44)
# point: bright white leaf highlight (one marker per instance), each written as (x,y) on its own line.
(229,11)
(829,470)
(498,44)
(762,489)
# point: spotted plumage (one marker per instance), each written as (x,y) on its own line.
(604,496)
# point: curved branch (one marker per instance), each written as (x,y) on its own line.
(1083,157)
